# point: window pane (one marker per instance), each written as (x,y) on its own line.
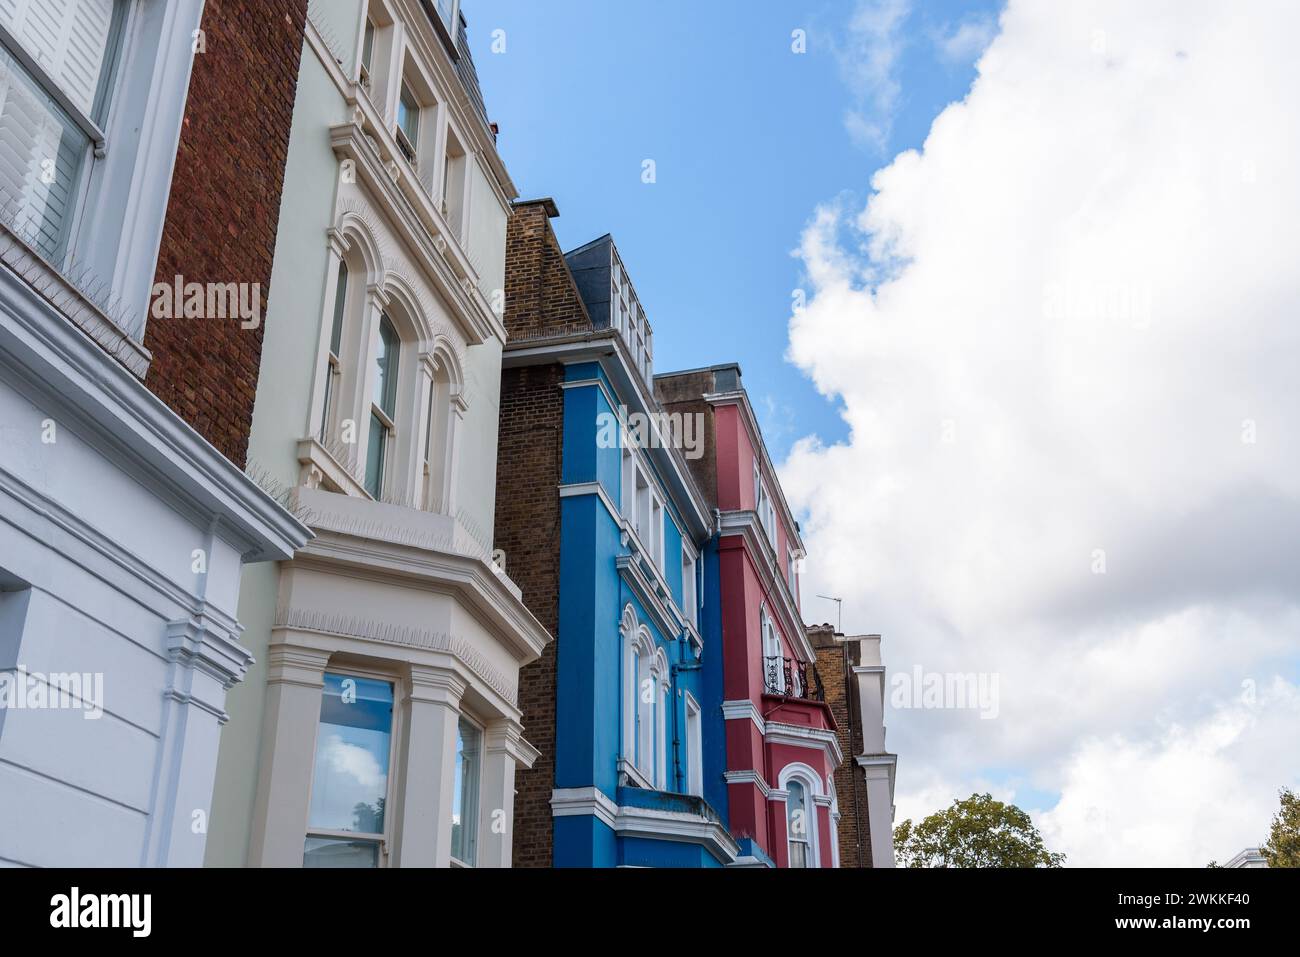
(385,395)
(408,116)
(350,781)
(340,304)
(464,819)
(336,852)
(368,45)
(375,456)
(41,152)
(329,400)
(446,8)
(796,805)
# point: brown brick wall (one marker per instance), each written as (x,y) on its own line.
(528,531)
(833,658)
(224,208)
(541,298)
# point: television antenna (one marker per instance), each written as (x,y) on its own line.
(839,613)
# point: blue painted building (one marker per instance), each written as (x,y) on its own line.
(612,543)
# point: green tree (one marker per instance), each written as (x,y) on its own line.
(976,832)
(1282,849)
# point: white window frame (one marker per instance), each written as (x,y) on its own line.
(771,639)
(644,750)
(812,787)
(409,146)
(694,746)
(690,593)
(121,204)
(477,791)
(384,839)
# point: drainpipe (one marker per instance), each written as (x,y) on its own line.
(682,648)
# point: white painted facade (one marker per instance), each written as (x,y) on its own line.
(122,532)
(393,466)
(878,765)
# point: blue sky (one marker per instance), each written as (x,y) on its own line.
(747,137)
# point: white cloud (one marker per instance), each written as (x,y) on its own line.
(1055,330)
(963,42)
(868,58)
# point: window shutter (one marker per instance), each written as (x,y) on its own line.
(68,38)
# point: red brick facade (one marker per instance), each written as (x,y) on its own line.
(224,209)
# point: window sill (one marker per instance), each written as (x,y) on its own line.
(55,288)
(633,777)
(319,463)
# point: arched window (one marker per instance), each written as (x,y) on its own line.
(645,703)
(437,458)
(797,823)
(383,406)
(773,662)
(802,786)
(333,360)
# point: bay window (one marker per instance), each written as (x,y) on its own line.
(464,826)
(348,819)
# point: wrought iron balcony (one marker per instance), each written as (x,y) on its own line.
(792,679)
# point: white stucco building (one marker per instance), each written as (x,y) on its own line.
(122,531)
(380,725)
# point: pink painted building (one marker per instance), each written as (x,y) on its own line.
(781,743)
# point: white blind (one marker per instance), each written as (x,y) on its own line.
(40,156)
(68,38)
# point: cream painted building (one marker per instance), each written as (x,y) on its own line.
(380,723)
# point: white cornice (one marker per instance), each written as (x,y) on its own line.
(654,581)
(584,802)
(305,622)
(749,777)
(606,347)
(677,826)
(658,610)
(745,524)
(502,186)
(802,736)
(467,118)
(58,362)
(877,763)
(367,546)
(743,710)
(579,489)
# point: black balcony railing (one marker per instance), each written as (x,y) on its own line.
(792,679)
